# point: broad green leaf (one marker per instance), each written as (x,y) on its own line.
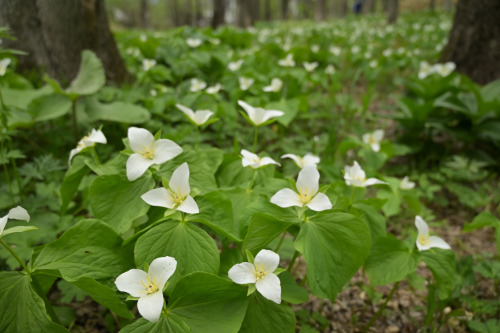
(167,324)
(491,326)
(240,199)
(192,247)
(234,174)
(88,249)
(264,316)
(228,258)
(71,181)
(375,221)
(49,107)
(22,309)
(113,166)
(262,230)
(22,98)
(289,107)
(270,186)
(290,291)
(334,245)
(484,219)
(90,77)
(17,229)
(442,265)
(390,261)
(213,158)
(117,201)
(116,111)
(393,205)
(216,211)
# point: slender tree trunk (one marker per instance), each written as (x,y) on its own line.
(267,10)
(474,41)
(219,12)
(343,7)
(243,14)
(54,33)
(284,9)
(432,5)
(373,6)
(393,11)
(320,14)
(175,13)
(253,8)
(385,5)
(144,14)
(448,5)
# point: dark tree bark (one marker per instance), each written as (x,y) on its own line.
(54,33)
(243,15)
(253,8)
(219,12)
(385,5)
(267,10)
(343,7)
(474,42)
(448,5)
(373,6)
(320,14)
(392,11)
(144,14)
(284,9)
(176,20)
(432,5)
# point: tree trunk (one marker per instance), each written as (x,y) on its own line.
(175,13)
(253,8)
(219,11)
(373,6)
(385,5)
(284,9)
(267,10)
(392,11)
(474,42)
(448,5)
(343,7)
(54,33)
(432,5)
(243,14)
(144,14)
(320,14)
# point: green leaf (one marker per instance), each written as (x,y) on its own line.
(264,316)
(290,291)
(117,201)
(117,111)
(262,230)
(228,258)
(484,219)
(113,166)
(17,229)
(240,199)
(375,221)
(167,324)
(289,107)
(334,245)
(216,211)
(71,181)
(90,77)
(193,248)
(22,98)
(88,249)
(491,326)
(390,261)
(213,158)
(442,265)
(49,107)
(22,309)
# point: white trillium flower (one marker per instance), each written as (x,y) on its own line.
(4,63)
(373,63)
(308,159)
(355,49)
(235,65)
(18,213)
(307,186)
(424,240)
(214,41)
(193,42)
(444,69)
(147,64)
(95,136)
(254,161)
(199,117)
(148,151)
(143,38)
(276,85)
(387,53)
(177,195)
(148,286)
(310,66)
(245,82)
(406,184)
(197,85)
(330,69)
(425,70)
(315,48)
(260,273)
(259,115)
(374,139)
(213,89)
(153,92)
(335,50)
(288,61)
(355,176)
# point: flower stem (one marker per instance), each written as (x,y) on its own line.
(255,139)
(16,174)
(292,262)
(281,241)
(197,137)
(15,256)
(303,282)
(94,152)
(382,308)
(75,126)
(352,196)
(7,177)
(252,180)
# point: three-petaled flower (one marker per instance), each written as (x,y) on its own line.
(444,69)
(245,82)
(148,151)
(425,70)
(95,136)
(214,89)
(18,213)
(148,287)
(260,273)
(258,116)
(147,64)
(424,240)
(406,184)
(308,159)
(198,117)
(308,192)
(177,195)
(288,61)
(374,139)
(276,85)
(193,42)
(254,161)
(197,85)
(310,66)
(355,176)
(235,65)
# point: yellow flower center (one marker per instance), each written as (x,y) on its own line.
(424,240)
(148,152)
(151,286)
(176,197)
(361,179)
(305,196)
(371,140)
(81,144)
(259,273)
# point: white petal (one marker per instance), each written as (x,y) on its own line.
(356,172)
(378,135)
(19,213)
(272,114)
(267,160)
(310,159)
(422,227)
(286,198)
(373,181)
(258,116)
(140,138)
(97,136)
(375,146)
(295,158)
(158,197)
(308,177)
(137,165)
(165,150)
(180,180)
(248,108)
(201,117)
(268,88)
(267,260)
(435,241)
(150,306)
(270,287)
(320,202)
(73,153)
(3,222)
(366,138)
(187,111)
(189,206)
(243,273)
(162,269)
(130,282)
